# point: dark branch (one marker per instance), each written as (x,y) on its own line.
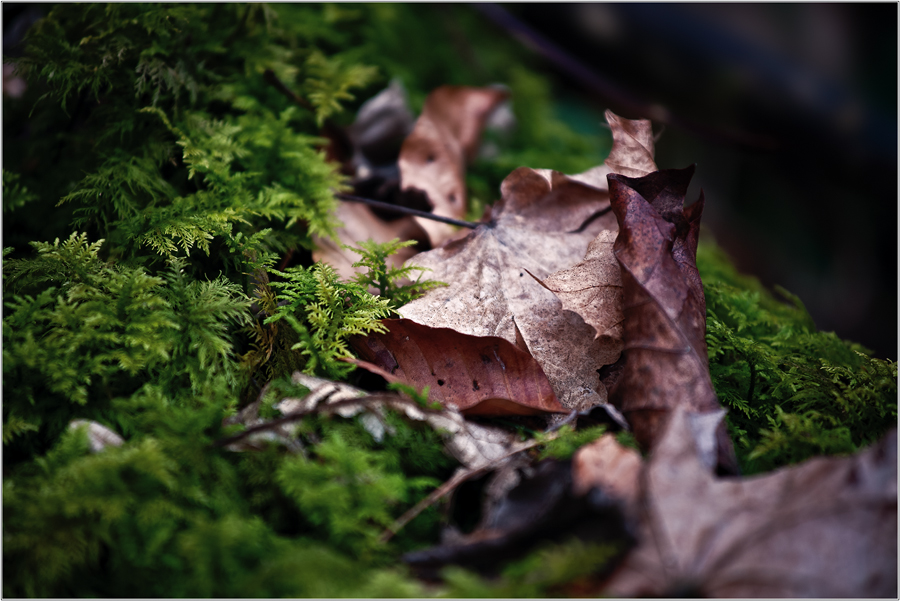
(385,206)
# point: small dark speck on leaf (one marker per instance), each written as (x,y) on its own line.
(474,385)
(440,382)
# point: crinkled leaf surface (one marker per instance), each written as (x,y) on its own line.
(537,229)
(666,364)
(823,528)
(433,157)
(593,290)
(478,375)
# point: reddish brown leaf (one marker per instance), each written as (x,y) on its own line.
(433,157)
(666,362)
(824,528)
(480,375)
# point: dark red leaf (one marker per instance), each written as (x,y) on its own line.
(480,375)
(666,363)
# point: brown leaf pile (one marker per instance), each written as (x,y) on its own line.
(574,275)
(536,229)
(427,174)
(824,528)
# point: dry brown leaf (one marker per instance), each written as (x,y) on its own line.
(536,228)
(593,290)
(431,161)
(433,157)
(823,528)
(666,364)
(633,152)
(478,375)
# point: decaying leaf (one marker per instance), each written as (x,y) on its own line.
(542,224)
(540,509)
(536,228)
(478,375)
(633,154)
(666,363)
(434,156)
(418,164)
(593,288)
(824,528)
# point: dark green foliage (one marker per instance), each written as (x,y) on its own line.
(101,330)
(793,392)
(15,195)
(546,572)
(324,312)
(388,281)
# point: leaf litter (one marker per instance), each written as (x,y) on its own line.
(546,256)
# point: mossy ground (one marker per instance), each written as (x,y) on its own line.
(157,132)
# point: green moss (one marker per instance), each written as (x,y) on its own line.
(792,391)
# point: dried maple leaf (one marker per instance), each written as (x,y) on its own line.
(479,375)
(823,528)
(433,157)
(666,363)
(631,154)
(593,290)
(540,226)
(426,172)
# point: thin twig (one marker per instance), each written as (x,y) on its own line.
(406,210)
(447,487)
(321,407)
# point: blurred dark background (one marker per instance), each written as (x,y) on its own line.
(789,111)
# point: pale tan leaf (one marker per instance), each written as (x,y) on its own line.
(433,157)
(632,153)
(593,290)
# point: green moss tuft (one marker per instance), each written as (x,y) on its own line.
(793,392)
